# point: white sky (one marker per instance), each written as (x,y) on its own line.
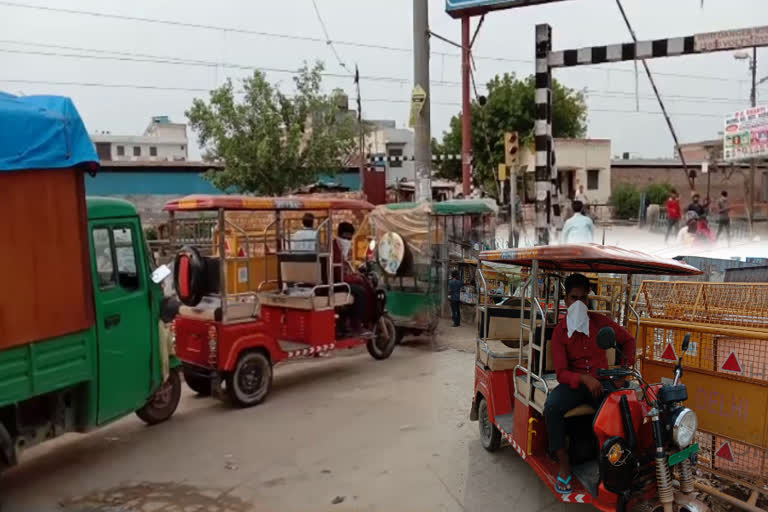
(698,104)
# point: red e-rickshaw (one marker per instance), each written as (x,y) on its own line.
(262,296)
(624,454)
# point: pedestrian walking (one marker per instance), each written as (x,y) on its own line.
(724,216)
(673,213)
(579,229)
(454,290)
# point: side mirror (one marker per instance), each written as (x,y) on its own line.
(606,338)
(160,274)
(686,342)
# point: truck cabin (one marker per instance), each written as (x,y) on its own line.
(259,251)
(514,335)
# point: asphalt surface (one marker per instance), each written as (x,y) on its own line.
(343,433)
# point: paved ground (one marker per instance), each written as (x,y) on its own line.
(369,435)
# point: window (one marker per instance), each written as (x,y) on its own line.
(120,150)
(105,267)
(395,152)
(152,151)
(182,147)
(136,150)
(104,150)
(127,274)
(593,179)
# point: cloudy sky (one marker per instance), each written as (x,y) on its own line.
(121,69)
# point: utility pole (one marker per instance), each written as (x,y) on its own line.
(423,137)
(361,133)
(466,108)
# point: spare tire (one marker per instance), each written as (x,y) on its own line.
(189,276)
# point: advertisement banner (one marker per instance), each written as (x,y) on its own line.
(746,135)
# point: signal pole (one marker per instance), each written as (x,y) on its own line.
(511,156)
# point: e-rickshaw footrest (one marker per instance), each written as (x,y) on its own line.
(505,422)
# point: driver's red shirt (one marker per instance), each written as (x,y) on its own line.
(579,354)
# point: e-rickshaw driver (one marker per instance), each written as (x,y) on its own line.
(577,357)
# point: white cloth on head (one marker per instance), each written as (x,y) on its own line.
(345,245)
(577,318)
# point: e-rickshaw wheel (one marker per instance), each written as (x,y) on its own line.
(490,436)
(199,384)
(384,338)
(251,381)
(164,402)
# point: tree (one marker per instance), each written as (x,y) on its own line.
(510,107)
(271,143)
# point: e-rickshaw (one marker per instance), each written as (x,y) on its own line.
(624,454)
(416,243)
(264,297)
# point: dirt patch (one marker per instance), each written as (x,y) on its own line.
(156,497)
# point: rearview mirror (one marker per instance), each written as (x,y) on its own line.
(160,274)
(606,338)
(686,342)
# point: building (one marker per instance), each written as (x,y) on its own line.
(395,146)
(757,274)
(162,141)
(580,162)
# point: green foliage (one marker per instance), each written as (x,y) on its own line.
(271,143)
(625,199)
(510,107)
(658,193)
(150,233)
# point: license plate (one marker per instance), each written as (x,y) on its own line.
(683,454)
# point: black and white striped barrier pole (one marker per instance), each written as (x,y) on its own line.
(547,201)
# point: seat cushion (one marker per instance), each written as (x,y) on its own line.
(304,302)
(496,355)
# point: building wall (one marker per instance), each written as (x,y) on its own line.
(578,156)
(386,137)
(642,176)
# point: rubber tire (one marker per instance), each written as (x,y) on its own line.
(374,350)
(490,441)
(152,415)
(237,396)
(198,384)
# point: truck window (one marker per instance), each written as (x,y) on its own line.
(104,264)
(127,273)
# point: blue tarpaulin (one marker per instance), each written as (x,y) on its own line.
(42,132)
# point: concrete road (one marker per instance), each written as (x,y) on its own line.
(346,433)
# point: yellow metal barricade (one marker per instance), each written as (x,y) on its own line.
(725,368)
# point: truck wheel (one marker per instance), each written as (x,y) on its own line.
(489,434)
(163,403)
(384,339)
(251,381)
(198,384)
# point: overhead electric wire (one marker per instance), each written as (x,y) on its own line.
(312,39)
(176,61)
(328,40)
(373,100)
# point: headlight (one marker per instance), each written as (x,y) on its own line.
(684,427)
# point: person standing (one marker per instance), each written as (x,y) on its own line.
(673,213)
(724,216)
(579,228)
(454,290)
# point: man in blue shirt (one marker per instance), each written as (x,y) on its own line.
(454,289)
(579,229)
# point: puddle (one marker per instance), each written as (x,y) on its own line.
(155,497)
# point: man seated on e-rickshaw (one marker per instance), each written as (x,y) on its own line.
(359,288)
(577,357)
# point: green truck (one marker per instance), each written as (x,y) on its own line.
(82,342)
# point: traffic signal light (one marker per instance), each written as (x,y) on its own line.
(511,149)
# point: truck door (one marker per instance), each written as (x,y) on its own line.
(123,317)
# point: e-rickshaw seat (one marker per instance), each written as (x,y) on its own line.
(305,268)
(539,396)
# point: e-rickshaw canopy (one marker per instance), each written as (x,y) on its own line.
(590,258)
(202,202)
(450,207)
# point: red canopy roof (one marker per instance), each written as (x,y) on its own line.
(214,202)
(590,258)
